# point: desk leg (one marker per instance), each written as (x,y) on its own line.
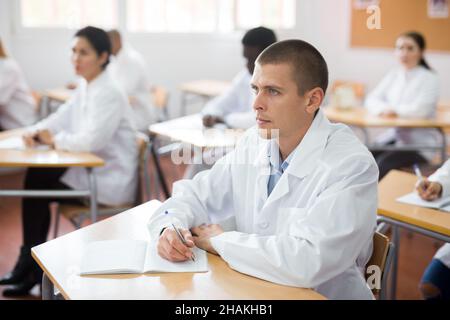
(47,288)
(396,241)
(183,104)
(93,197)
(159,172)
(444,146)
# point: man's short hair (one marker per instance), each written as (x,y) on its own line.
(260,37)
(309,67)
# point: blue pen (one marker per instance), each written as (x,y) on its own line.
(183,240)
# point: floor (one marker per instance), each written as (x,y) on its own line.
(415,250)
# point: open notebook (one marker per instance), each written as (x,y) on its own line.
(16,143)
(134,256)
(414,199)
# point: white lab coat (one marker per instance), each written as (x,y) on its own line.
(235,104)
(129,69)
(442,175)
(315,230)
(17,105)
(97,119)
(411,94)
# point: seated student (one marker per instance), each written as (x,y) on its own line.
(17,105)
(95,119)
(410,91)
(302,191)
(234,107)
(129,69)
(435,282)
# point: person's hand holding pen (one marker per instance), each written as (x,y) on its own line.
(175,244)
(427,190)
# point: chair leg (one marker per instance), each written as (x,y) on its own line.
(57,218)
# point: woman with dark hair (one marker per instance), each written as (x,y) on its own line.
(410,91)
(97,120)
(17,106)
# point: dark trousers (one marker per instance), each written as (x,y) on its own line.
(389,160)
(36,211)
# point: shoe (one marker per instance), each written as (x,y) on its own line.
(22,268)
(23,288)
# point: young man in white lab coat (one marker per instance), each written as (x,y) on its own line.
(129,69)
(435,282)
(304,205)
(234,106)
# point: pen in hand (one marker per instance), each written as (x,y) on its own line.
(182,240)
(418,174)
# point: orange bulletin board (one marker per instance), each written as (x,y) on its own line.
(398,16)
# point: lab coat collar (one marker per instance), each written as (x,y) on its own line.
(98,81)
(304,159)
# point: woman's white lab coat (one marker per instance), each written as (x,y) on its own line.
(235,104)
(129,69)
(315,230)
(411,94)
(17,106)
(442,175)
(97,120)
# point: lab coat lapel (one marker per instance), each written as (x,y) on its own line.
(262,165)
(306,156)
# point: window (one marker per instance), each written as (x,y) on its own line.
(208,15)
(205,16)
(71,14)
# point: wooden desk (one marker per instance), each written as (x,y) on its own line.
(203,88)
(430,222)
(360,117)
(60,260)
(50,159)
(189,131)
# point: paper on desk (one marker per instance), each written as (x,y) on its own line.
(16,143)
(414,199)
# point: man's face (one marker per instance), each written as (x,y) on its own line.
(278,104)
(250,54)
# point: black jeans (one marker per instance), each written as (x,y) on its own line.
(389,160)
(36,211)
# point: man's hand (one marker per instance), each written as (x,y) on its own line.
(389,114)
(29,139)
(45,137)
(429,190)
(209,120)
(171,248)
(203,234)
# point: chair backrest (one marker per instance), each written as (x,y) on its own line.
(381,247)
(357,87)
(142,143)
(37,98)
(160,99)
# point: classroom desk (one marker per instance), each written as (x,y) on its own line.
(59,95)
(60,260)
(430,222)
(206,89)
(190,130)
(360,117)
(50,159)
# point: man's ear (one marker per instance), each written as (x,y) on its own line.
(314,98)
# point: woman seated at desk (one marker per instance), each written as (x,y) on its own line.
(17,105)
(435,284)
(95,120)
(410,91)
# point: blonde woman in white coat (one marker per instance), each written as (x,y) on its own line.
(95,120)
(17,105)
(410,91)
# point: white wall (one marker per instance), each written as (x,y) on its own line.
(175,58)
